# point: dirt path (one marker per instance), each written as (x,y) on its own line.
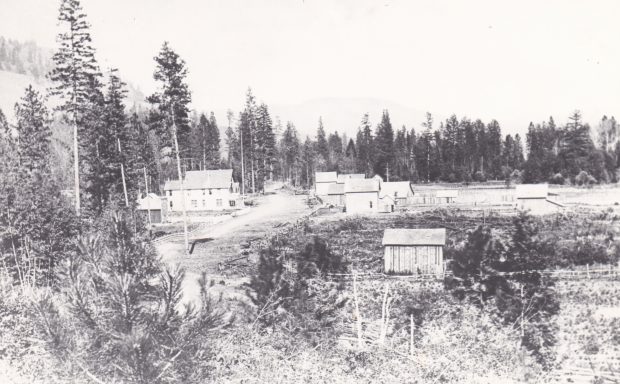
(223,241)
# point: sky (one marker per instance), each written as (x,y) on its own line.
(514,61)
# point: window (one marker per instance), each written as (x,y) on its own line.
(395,193)
(204,203)
(232,203)
(218,202)
(194,203)
(169,193)
(209,191)
(171,204)
(370,204)
(204,192)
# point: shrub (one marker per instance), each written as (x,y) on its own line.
(557,179)
(584,178)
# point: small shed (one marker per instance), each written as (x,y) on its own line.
(151,204)
(414,251)
(322,181)
(335,195)
(361,195)
(536,199)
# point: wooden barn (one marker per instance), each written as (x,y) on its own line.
(322,181)
(414,251)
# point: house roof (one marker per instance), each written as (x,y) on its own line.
(361,185)
(150,201)
(447,193)
(325,177)
(209,179)
(407,236)
(396,189)
(532,191)
(335,189)
(346,176)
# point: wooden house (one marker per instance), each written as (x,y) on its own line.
(151,204)
(209,190)
(322,181)
(536,199)
(414,251)
(361,195)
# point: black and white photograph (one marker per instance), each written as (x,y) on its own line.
(309,191)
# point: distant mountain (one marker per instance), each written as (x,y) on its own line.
(25,58)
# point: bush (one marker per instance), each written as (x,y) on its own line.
(557,179)
(584,178)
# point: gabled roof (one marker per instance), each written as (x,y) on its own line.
(150,201)
(532,191)
(398,189)
(406,236)
(448,193)
(361,185)
(325,177)
(346,176)
(209,179)
(335,189)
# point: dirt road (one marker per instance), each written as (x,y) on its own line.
(223,241)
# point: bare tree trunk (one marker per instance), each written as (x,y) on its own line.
(118,141)
(242,163)
(76,166)
(176,146)
(146,187)
(358,318)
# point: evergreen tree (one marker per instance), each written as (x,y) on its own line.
(384,147)
(33,131)
(74,74)
(171,102)
(365,147)
(334,143)
(322,148)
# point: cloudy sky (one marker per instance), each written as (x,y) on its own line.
(514,61)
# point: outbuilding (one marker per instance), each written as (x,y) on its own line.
(447,196)
(151,204)
(322,181)
(361,195)
(414,251)
(535,198)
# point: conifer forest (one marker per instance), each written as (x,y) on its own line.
(147,236)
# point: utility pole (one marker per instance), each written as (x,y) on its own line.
(176,146)
(123,173)
(76,166)
(242,162)
(146,187)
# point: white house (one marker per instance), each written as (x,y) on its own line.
(322,180)
(535,198)
(447,196)
(210,190)
(151,204)
(361,195)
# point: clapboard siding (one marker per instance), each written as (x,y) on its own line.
(409,259)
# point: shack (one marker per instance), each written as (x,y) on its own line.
(536,199)
(361,195)
(151,204)
(414,251)
(322,181)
